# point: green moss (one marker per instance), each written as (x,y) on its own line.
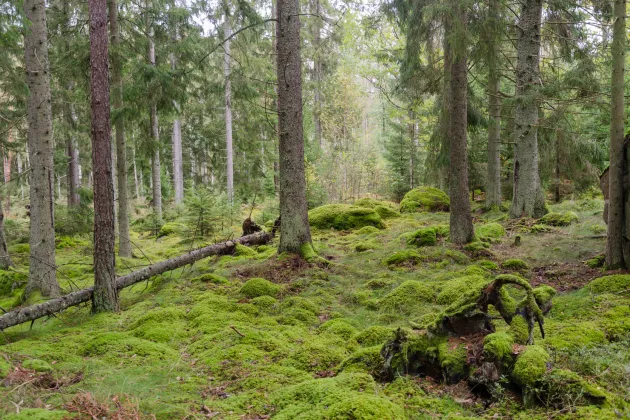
(615,283)
(458,286)
(10,280)
(373,336)
(37,365)
(244,251)
(301,303)
(344,216)
(367,230)
(368,202)
(423,237)
(63,242)
(540,228)
(616,323)
(544,294)
(514,264)
(211,278)
(338,327)
(498,347)
(122,348)
(38,414)
(386,212)
(490,231)
(5,367)
(160,325)
(365,406)
(530,366)
(170,229)
(560,388)
(476,246)
(597,261)
(363,360)
(20,249)
(259,287)
(316,355)
(380,283)
(424,199)
(367,245)
(574,335)
(487,264)
(407,297)
(519,330)
(264,302)
(564,218)
(452,360)
(297,316)
(408,256)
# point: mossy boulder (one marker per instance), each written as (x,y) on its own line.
(117,347)
(426,236)
(407,256)
(498,347)
(343,217)
(425,199)
(259,287)
(615,283)
(514,264)
(367,230)
(477,247)
(455,288)
(490,231)
(386,212)
(531,366)
(210,278)
(373,336)
(564,218)
(37,365)
(407,297)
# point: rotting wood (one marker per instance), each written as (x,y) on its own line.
(52,306)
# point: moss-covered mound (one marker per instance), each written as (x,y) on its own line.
(455,288)
(385,209)
(425,199)
(490,231)
(344,216)
(514,264)
(426,236)
(259,287)
(531,366)
(407,296)
(564,218)
(611,284)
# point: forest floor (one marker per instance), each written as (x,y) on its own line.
(192,345)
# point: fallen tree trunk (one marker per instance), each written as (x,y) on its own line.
(31,313)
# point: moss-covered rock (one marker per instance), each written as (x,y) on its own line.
(615,283)
(259,287)
(476,246)
(498,347)
(514,264)
(423,237)
(424,199)
(597,261)
(338,327)
(530,366)
(37,365)
(488,265)
(407,256)
(564,218)
(386,212)
(366,245)
(490,231)
(616,323)
(344,216)
(544,295)
(540,228)
(455,288)
(367,230)
(211,278)
(373,336)
(407,296)
(380,283)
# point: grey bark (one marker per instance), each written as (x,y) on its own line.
(295,230)
(155,135)
(493,187)
(52,306)
(124,242)
(228,110)
(528,197)
(105,295)
(461,227)
(42,274)
(135,174)
(616,219)
(176,139)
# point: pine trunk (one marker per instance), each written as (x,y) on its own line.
(155,135)
(8,159)
(105,297)
(493,187)
(178,169)
(616,219)
(5,258)
(461,227)
(124,242)
(528,197)
(228,110)
(295,230)
(317,73)
(42,269)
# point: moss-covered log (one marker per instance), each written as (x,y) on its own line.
(31,313)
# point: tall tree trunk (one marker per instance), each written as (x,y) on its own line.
(616,219)
(317,72)
(559,134)
(274,49)
(135,173)
(228,109)
(8,159)
(155,135)
(124,242)
(528,197)
(178,168)
(42,274)
(105,297)
(412,149)
(445,111)
(295,231)
(5,258)
(461,227)
(493,187)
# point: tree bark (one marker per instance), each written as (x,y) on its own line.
(317,72)
(52,306)
(105,296)
(493,187)
(295,230)
(528,197)
(42,274)
(228,109)
(124,242)
(616,222)
(5,258)
(461,227)
(155,135)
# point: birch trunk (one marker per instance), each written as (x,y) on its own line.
(528,197)
(42,274)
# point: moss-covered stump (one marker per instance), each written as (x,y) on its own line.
(425,199)
(343,217)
